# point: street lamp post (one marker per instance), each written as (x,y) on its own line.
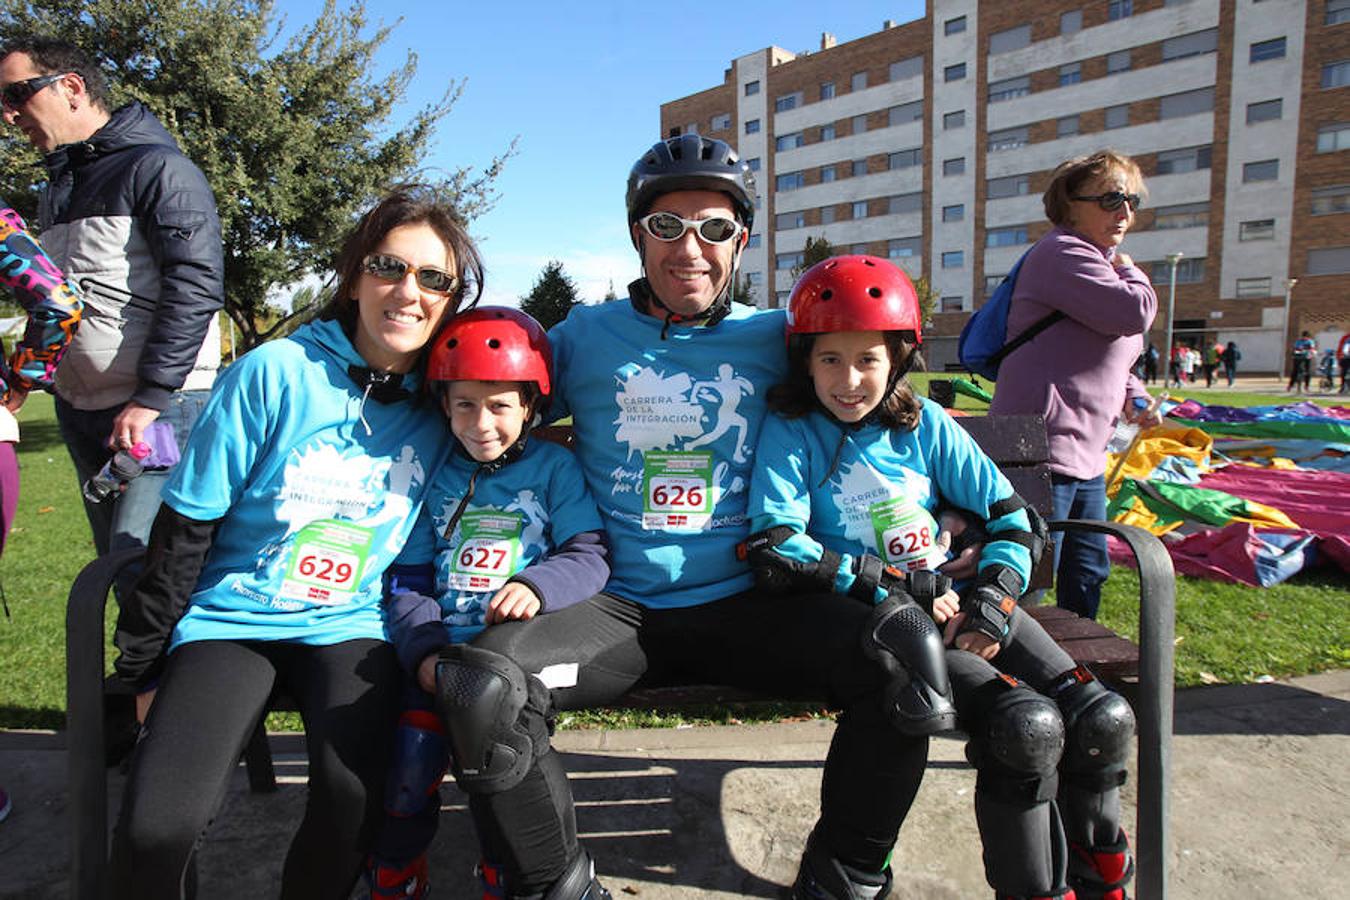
(1172,259)
(1285,353)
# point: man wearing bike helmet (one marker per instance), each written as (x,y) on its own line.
(667,395)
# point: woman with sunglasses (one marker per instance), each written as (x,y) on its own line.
(297,489)
(1076,373)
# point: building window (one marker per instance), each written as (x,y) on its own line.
(788,221)
(1247,288)
(755,278)
(1331,138)
(1336,74)
(827,174)
(721,122)
(788,260)
(1194,44)
(858,81)
(859,168)
(790,181)
(752,126)
(1257,230)
(1008,139)
(826,215)
(751,88)
(1329,261)
(991,283)
(1119,9)
(1338,11)
(907,68)
(1189,271)
(859,123)
(691,128)
(753,163)
(905,113)
(789,141)
(904,159)
(1066,126)
(904,247)
(953,120)
(954,259)
(1331,200)
(1118,62)
(1071,73)
(827,132)
(1009,40)
(1009,88)
(953,303)
(827,90)
(954,166)
(1185,215)
(900,204)
(954,26)
(1261,51)
(1187,103)
(787,102)
(1012,236)
(1071,21)
(958,72)
(1117,116)
(859,209)
(954,213)
(1264,111)
(1261,170)
(1007,186)
(753,242)
(1187,159)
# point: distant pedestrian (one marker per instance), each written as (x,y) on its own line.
(1229,358)
(1343,354)
(1150,363)
(1300,375)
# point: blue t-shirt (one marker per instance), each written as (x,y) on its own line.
(518,515)
(666,433)
(882,488)
(316,488)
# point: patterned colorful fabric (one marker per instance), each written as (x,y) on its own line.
(52,304)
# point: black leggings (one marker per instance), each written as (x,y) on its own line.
(782,645)
(209,700)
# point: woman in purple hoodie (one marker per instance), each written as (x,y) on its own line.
(1077,372)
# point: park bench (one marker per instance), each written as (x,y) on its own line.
(1016,443)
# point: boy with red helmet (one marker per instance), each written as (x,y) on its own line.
(509,531)
(848,475)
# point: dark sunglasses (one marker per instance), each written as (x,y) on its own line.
(1111,200)
(20,92)
(666,226)
(391,268)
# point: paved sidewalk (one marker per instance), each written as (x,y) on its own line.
(1261,779)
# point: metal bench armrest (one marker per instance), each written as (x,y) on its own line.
(1157,629)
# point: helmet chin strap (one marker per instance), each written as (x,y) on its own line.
(714,313)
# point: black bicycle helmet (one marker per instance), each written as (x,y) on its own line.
(691,162)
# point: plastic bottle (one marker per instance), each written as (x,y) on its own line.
(116,472)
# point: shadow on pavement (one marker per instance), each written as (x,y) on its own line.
(1268,709)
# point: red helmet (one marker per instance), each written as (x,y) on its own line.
(853,293)
(492,343)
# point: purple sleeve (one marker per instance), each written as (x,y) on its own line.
(1071,275)
(576,570)
(413,617)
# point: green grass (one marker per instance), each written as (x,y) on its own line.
(1226,632)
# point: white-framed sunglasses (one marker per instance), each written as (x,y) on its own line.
(666,226)
(387,267)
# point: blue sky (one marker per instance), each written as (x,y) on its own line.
(581,84)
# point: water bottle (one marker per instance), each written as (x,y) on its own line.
(116,472)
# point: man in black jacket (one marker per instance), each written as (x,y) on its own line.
(133,223)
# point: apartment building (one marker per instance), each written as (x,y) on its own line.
(930,142)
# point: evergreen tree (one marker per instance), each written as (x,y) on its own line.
(816,250)
(296,138)
(609,294)
(552,297)
(742,291)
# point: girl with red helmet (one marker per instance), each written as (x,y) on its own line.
(508,531)
(849,473)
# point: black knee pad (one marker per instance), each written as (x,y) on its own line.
(495,715)
(1016,740)
(1099,728)
(903,640)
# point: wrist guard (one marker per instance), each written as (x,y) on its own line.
(990,603)
(925,586)
(776,571)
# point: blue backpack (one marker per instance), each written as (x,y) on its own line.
(984,340)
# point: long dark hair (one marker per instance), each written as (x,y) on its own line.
(796,396)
